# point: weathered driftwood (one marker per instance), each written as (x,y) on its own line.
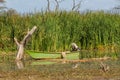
(104,67)
(74,61)
(82,60)
(22,44)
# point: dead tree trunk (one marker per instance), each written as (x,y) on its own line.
(63,55)
(22,44)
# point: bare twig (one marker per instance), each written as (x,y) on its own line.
(28,35)
(76,7)
(16,41)
(48,5)
(57,5)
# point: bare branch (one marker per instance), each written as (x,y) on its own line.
(57,5)
(28,30)
(28,35)
(48,5)
(73,5)
(76,7)
(16,41)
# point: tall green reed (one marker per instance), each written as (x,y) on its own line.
(57,30)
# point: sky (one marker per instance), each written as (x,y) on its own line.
(26,6)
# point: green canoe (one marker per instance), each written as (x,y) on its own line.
(51,55)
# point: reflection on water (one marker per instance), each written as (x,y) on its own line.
(98,54)
(7,63)
(20,64)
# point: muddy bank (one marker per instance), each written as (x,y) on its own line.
(83,71)
(76,74)
(47,70)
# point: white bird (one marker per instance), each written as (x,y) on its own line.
(75,66)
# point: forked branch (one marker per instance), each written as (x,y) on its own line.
(22,44)
(25,39)
(76,7)
(16,41)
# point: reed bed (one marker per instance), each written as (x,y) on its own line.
(57,30)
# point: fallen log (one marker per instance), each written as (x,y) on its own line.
(80,60)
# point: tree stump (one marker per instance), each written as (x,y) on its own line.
(63,55)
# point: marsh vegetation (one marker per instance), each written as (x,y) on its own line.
(56,30)
(96,33)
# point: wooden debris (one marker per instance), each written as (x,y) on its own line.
(63,55)
(104,67)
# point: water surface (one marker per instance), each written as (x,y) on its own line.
(8,63)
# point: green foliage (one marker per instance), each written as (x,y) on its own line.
(57,30)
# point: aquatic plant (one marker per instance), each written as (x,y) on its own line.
(57,30)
